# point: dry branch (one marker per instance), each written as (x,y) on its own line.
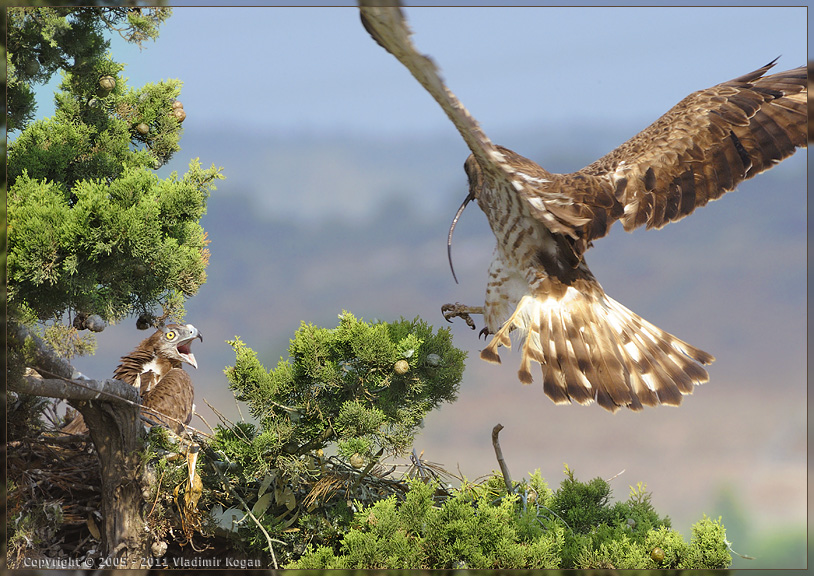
(504,469)
(63,380)
(44,355)
(82,390)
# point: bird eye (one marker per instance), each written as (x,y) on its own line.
(170,335)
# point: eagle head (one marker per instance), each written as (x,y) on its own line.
(175,342)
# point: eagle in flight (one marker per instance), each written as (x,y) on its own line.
(155,368)
(590,347)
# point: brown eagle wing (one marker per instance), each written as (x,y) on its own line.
(703,147)
(386,24)
(172,396)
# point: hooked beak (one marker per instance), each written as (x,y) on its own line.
(185,347)
(466,201)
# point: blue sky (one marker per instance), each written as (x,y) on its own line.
(315,70)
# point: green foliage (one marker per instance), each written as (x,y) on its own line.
(708,545)
(91,228)
(476,529)
(582,505)
(96,136)
(68,342)
(43,40)
(117,248)
(468,530)
(344,385)
(339,392)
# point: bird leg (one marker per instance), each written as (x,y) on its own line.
(501,337)
(459,310)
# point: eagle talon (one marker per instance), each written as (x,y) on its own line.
(457,310)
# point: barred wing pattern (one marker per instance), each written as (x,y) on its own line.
(705,146)
(540,292)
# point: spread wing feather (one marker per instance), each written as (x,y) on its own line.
(589,347)
(385,22)
(703,147)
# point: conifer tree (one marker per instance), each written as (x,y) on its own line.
(94,234)
(42,41)
(362,387)
(92,230)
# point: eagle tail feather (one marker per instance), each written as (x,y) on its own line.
(593,349)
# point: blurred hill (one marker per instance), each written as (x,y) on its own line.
(305,227)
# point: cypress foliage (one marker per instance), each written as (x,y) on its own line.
(92,230)
(361,387)
(481,527)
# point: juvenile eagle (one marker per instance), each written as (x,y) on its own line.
(154,367)
(590,347)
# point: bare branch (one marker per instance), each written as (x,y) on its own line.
(109,390)
(504,469)
(44,356)
(58,379)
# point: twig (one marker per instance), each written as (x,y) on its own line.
(228,486)
(220,415)
(205,422)
(163,420)
(212,430)
(744,556)
(229,423)
(501,462)
(555,514)
(239,411)
(157,493)
(366,471)
(616,475)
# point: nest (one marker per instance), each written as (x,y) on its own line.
(54,503)
(53,499)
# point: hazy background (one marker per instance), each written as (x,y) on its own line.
(343,176)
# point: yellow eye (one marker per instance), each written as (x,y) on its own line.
(170,335)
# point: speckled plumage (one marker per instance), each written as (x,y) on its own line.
(540,291)
(155,368)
